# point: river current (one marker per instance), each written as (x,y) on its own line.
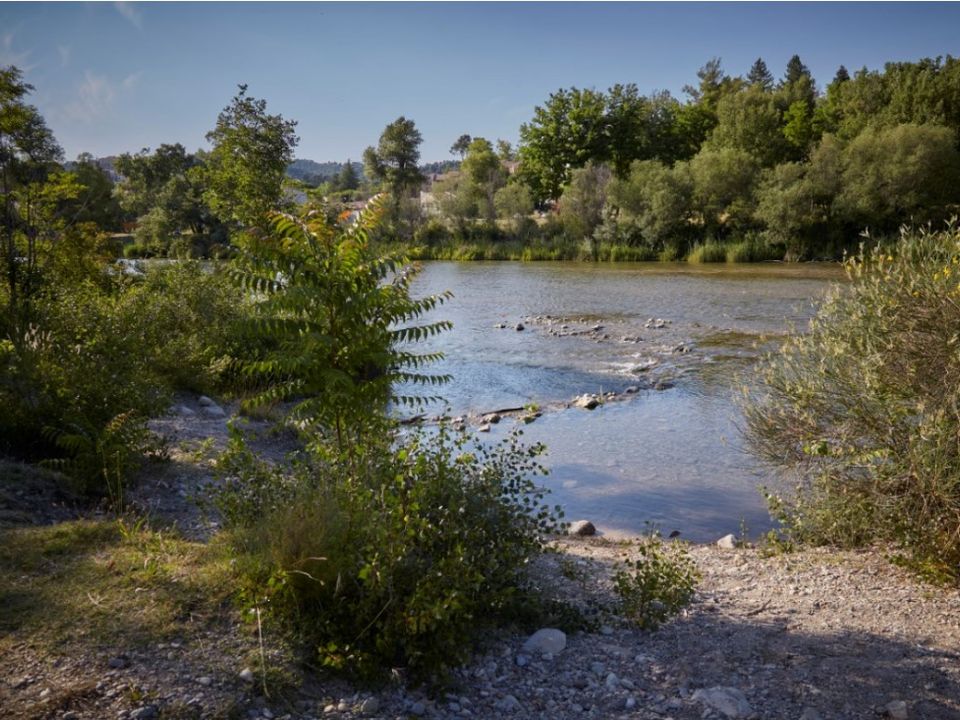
(668,456)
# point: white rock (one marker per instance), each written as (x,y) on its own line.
(546,640)
(727,700)
(183,411)
(587,402)
(897,710)
(727,542)
(582,527)
(205,680)
(204,401)
(246,675)
(214,411)
(631,703)
(612,682)
(484,428)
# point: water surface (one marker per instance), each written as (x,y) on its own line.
(671,457)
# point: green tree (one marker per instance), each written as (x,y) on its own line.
(485,173)
(626,118)
(461,146)
(900,174)
(513,203)
(96,202)
(505,151)
(347,179)
(582,204)
(749,120)
(565,133)
(245,169)
(760,76)
(723,182)
(657,200)
(394,160)
(28,155)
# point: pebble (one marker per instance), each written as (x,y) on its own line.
(519,327)
(522,660)
(729,701)
(418,709)
(485,428)
(144,713)
(246,675)
(205,680)
(598,668)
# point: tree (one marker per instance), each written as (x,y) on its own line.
(348,180)
(461,145)
(723,180)
(513,203)
(760,76)
(565,133)
(338,319)
(394,161)
(656,200)
(626,118)
(895,175)
(842,75)
(28,154)
(96,202)
(797,85)
(750,121)
(246,167)
(581,207)
(505,151)
(483,169)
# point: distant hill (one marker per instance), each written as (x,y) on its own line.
(314,173)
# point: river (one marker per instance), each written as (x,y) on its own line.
(685,336)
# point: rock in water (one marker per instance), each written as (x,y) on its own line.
(727,542)
(582,527)
(519,327)
(546,640)
(726,700)
(587,402)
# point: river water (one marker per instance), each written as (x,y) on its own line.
(667,456)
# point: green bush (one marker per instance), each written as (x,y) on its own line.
(864,407)
(752,249)
(389,558)
(657,585)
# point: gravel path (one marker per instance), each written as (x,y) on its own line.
(814,634)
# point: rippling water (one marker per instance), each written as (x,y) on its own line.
(671,457)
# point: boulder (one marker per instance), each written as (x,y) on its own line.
(727,542)
(518,327)
(897,710)
(546,640)
(582,527)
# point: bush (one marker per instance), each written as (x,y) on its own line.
(752,249)
(387,558)
(658,585)
(864,407)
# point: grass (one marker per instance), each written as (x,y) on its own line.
(104,582)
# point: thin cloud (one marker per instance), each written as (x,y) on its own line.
(10,56)
(65,53)
(95,97)
(131,81)
(130,13)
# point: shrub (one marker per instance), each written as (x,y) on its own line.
(657,585)
(864,407)
(752,249)
(388,558)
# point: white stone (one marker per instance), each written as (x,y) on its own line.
(727,542)
(546,640)
(205,401)
(246,675)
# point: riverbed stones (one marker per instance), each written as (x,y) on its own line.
(370,706)
(729,701)
(546,640)
(582,527)
(492,418)
(519,327)
(587,402)
(485,428)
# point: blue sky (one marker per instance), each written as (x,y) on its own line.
(115,77)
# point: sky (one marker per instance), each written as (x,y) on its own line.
(118,77)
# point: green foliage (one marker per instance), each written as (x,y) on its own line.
(708,252)
(243,174)
(392,558)
(338,321)
(581,208)
(863,407)
(657,585)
